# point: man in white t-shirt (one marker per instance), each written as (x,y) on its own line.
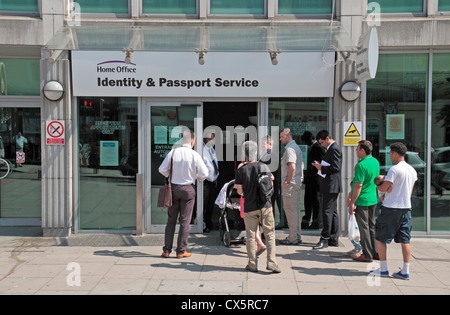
(394,220)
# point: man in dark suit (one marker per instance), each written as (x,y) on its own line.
(329,172)
(312,195)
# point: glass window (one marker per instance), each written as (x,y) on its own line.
(305,6)
(444,5)
(103,6)
(440,144)
(400,6)
(396,112)
(108,162)
(167,122)
(19,77)
(19,5)
(169,7)
(237,7)
(20,145)
(300,115)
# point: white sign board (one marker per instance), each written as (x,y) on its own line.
(367,56)
(224,74)
(54,132)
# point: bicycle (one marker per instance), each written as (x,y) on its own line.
(5,168)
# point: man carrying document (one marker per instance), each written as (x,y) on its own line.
(329,171)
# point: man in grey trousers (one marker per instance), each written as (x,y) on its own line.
(188,166)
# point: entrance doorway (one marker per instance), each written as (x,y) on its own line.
(223,115)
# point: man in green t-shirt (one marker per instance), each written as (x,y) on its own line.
(364,199)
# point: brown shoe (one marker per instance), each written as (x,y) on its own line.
(362,258)
(165,255)
(185,254)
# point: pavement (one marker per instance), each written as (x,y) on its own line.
(119,264)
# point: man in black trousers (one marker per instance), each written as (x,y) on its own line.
(312,195)
(329,171)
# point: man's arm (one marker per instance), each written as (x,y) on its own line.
(385,186)
(239,189)
(355,194)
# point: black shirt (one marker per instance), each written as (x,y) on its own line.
(247,176)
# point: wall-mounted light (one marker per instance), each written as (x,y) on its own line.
(128,55)
(273,56)
(53,91)
(201,56)
(350,91)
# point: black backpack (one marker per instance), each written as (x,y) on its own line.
(265,187)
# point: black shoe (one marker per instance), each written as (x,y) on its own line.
(314,226)
(335,244)
(321,244)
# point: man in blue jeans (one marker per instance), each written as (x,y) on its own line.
(394,220)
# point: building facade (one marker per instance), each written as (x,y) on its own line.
(93,94)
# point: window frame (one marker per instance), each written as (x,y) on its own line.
(309,16)
(23,13)
(237,16)
(103,15)
(442,12)
(404,14)
(170,15)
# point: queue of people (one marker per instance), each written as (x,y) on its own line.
(323,184)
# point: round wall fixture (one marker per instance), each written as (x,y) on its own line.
(350,91)
(53,91)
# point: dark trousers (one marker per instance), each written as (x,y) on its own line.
(365,217)
(330,231)
(209,197)
(183,199)
(312,199)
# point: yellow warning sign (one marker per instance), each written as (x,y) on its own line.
(352,131)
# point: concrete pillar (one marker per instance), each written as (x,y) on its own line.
(57,170)
(350,14)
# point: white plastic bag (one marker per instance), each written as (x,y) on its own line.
(353,230)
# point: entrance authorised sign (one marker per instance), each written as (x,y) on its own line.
(352,132)
(55,132)
(20,157)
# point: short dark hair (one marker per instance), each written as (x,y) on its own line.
(322,135)
(307,135)
(399,147)
(366,145)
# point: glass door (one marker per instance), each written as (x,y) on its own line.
(164,121)
(20,147)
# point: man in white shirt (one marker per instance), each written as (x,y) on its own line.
(210,184)
(188,166)
(394,220)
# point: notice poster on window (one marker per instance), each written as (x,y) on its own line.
(109,153)
(395,126)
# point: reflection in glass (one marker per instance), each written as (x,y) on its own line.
(440,144)
(300,115)
(108,162)
(166,122)
(396,112)
(20,145)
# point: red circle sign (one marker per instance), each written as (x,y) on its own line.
(55,129)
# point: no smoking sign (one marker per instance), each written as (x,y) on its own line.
(55,132)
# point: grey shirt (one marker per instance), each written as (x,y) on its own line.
(292,153)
